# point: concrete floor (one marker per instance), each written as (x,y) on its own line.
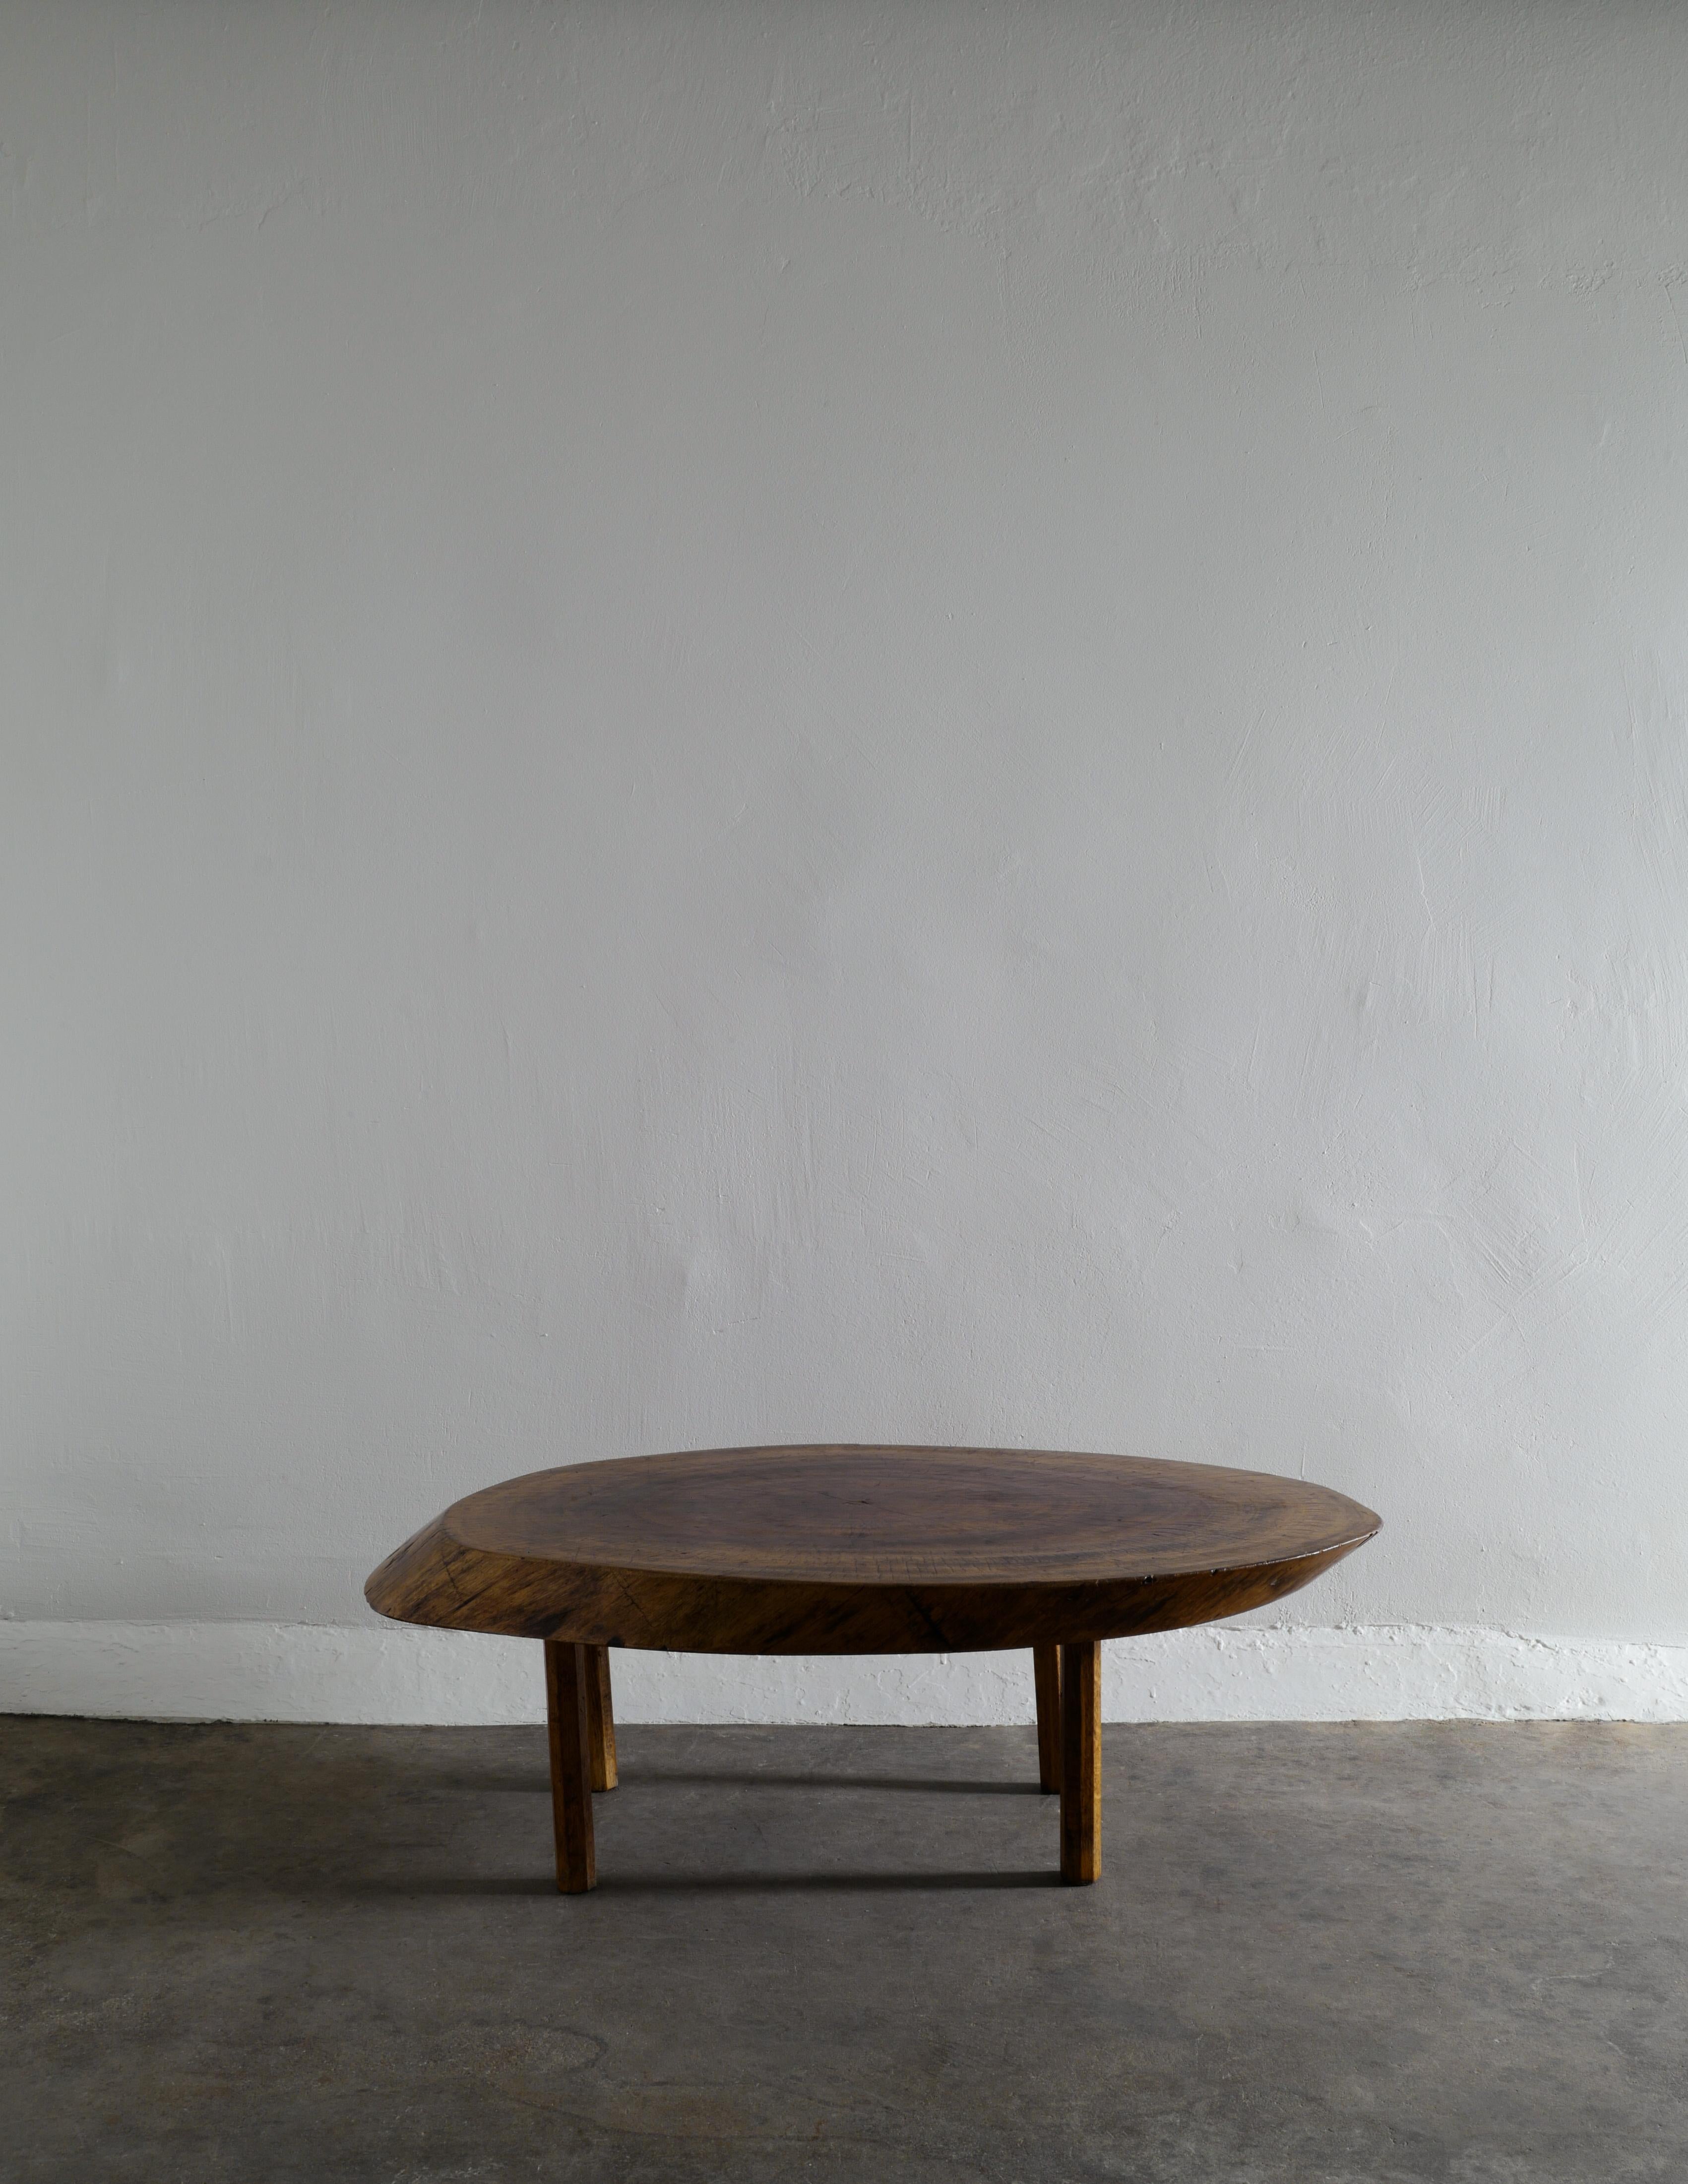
(261,1954)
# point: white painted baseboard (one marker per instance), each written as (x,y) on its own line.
(385,1673)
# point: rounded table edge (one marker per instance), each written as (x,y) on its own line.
(435,1580)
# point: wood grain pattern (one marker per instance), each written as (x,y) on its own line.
(567,1677)
(853,1549)
(1046,1676)
(1082,1761)
(600,1720)
(864,1549)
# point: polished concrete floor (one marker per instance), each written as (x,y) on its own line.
(258,1954)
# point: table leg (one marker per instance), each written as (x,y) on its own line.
(569,1675)
(601,1721)
(1046,1675)
(1082,1761)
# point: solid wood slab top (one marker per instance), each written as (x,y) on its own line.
(864,1549)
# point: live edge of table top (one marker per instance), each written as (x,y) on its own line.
(865,1549)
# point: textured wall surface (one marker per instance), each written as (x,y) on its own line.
(767,721)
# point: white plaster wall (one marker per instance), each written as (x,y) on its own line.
(772,722)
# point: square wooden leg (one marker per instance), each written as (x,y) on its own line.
(1046,1675)
(1082,1761)
(568,1677)
(601,1721)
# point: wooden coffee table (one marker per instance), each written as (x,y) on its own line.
(855,1549)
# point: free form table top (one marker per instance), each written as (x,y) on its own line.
(865,1549)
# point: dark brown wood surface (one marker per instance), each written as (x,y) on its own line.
(600,1720)
(864,1549)
(1082,1761)
(569,1673)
